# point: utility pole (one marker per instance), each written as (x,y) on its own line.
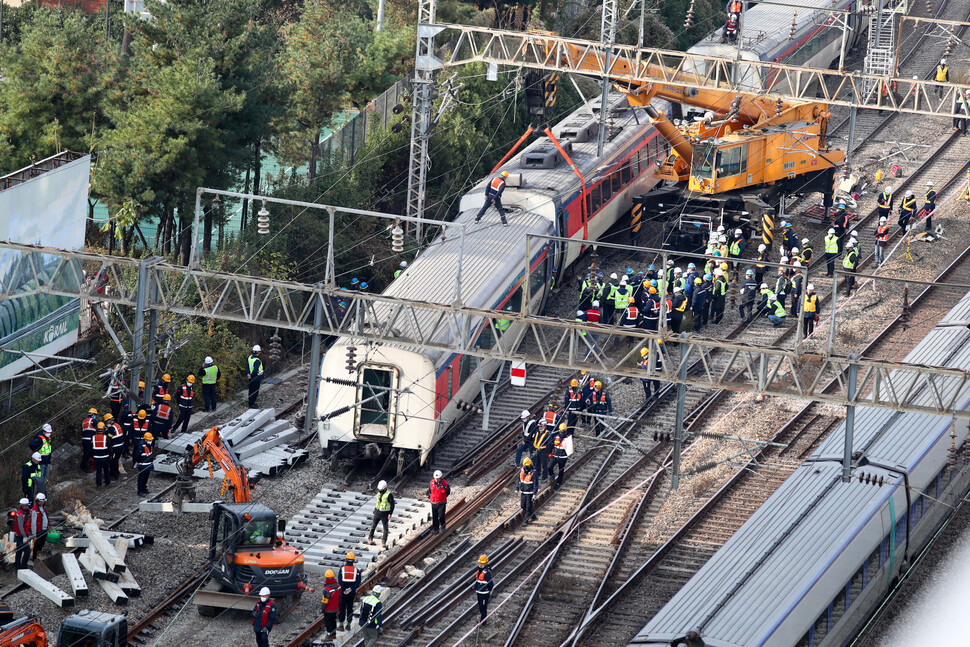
(608,37)
(425,65)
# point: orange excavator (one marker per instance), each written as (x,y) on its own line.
(87,628)
(246,547)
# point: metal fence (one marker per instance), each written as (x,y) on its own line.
(344,142)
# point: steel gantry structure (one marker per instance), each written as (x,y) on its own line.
(154,285)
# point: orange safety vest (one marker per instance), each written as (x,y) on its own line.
(525,477)
(550,417)
(164,412)
(632,312)
(100,441)
(882,233)
(574,394)
(497,184)
(348,574)
(88,424)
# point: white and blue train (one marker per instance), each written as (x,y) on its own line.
(812,564)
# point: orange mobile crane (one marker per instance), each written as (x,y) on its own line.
(737,162)
(246,548)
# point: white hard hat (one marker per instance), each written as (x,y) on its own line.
(677,270)
(623,282)
(580,313)
(811,286)
(764,286)
(908,192)
(438,474)
(626,277)
(36,456)
(929,183)
(882,220)
(797,264)
(851,243)
(943,61)
(41,496)
(738,232)
(382,485)
(404,263)
(762,247)
(614,276)
(670,263)
(596,304)
(718,272)
(720,229)
(794,250)
(831,232)
(678,289)
(889,189)
(208,360)
(377,590)
(722,239)
(805,241)
(784,259)
(264,591)
(853,233)
(525,414)
(257,349)
(47,427)
(24,502)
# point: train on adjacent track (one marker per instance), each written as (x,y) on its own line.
(818,557)
(399,401)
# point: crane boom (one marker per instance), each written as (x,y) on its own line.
(211,444)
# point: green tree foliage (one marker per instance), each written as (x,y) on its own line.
(51,100)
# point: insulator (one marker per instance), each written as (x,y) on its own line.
(337,380)
(882,480)
(860,476)
(779,106)
(262,225)
(689,22)
(397,239)
(398,109)
(656,436)
(396,128)
(905,315)
(351,359)
(794,28)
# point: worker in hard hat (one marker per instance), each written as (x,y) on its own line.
(144,456)
(526,488)
(559,456)
(884,202)
(210,375)
(493,195)
(907,209)
(483,587)
(942,76)
(371,623)
(255,374)
(330,604)
(349,581)
(164,386)
(573,404)
(438,492)
(403,266)
(264,616)
(929,204)
(383,509)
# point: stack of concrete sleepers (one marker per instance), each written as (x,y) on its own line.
(335,523)
(257,437)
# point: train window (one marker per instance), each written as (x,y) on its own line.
(516,301)
(486,340)
(538,277)
(626,173)
(597,198)
(901,530)
(616,181)
(589,209)
(468,364)
(607,190)
(374,383)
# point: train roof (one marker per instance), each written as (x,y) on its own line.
(744,591)
(765,28)
(494,253)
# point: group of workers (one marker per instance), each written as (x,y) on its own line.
(338,600)
(30,524)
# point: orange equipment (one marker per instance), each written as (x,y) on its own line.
(211,445)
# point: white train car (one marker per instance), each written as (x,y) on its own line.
(817,558)
(412,392)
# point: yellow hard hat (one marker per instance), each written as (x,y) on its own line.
(142,415)
(329,574)
(630,300)
(582,372)
(190,379)
(527,462)
(351,557)
(574,382)
(108,416)
(598,383)
(562,426)
(724,266)
(483,559)
(148,436)
(166,397)
(652,290)
(166,378)
(505,173)
(141,384)
(93,410)
(643,351)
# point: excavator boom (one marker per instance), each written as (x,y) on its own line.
(211,445)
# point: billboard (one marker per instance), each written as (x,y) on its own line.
(45,204)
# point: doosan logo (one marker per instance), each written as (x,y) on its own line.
(55,331)
(276,571)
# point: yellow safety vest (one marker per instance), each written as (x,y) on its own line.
(384,501)
(210,374)
(252,363)
(832,244)
(779,309)
(941,73)
(849,261)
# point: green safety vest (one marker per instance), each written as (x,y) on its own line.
(373,601)
(779,309)
(384,501)
(503,324)
(781,285)
(735,249)
(397,273)
(581,332)
(209,374)
(252,363)
(720,287)
(621,297)
(849,261)
(45,449)
(36,474)
(832,244)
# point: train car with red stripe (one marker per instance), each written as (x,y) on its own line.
(808,35)
(398,401)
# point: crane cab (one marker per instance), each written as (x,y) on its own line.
(89,628)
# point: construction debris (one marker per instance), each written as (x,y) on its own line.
(45,588)
(256,437)
(74,573)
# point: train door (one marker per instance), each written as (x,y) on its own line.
(376,408)
(561,249)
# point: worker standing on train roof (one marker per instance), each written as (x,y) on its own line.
(493,195)
(691,639)
(403,266)
(942,76)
